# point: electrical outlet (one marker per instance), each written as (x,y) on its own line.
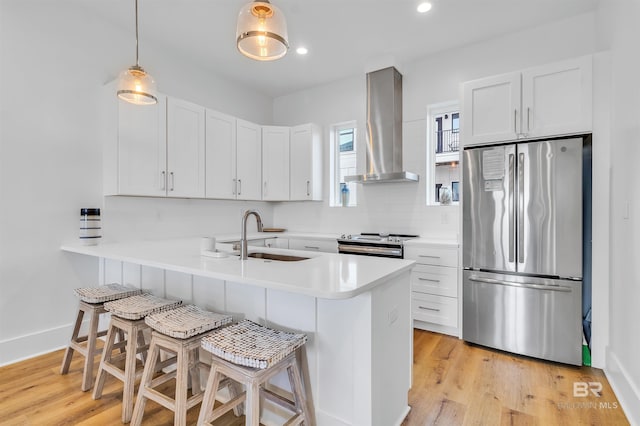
(393,315)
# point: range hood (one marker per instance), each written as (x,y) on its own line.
(384,130)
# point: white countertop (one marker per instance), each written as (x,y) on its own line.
(323,275)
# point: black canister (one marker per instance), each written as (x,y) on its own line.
(90,226)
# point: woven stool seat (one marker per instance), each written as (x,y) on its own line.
(179,332)
(252,345)
(105,293)
(186,321)
(251,354)
(139,306)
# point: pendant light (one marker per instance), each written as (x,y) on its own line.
(262,31)
(135,85)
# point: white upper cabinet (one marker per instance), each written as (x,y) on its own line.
(557,98)
(549,100)
(306,163)
(220,155)
(185,149)
(248,160)
(490,109)
(275,163)
(141,150)
(179,149)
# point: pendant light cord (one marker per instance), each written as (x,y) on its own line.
(137,64)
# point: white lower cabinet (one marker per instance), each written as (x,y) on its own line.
(435,287)
(326,246)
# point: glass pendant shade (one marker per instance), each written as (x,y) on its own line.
(261,33)
(137,87)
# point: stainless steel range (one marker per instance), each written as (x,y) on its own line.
(374,244)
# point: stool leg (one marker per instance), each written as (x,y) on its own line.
(129,374)
(87,379)
(104,359)
(68,353)
(182,383)
(298,390)
(147,376)
(209,399)
(252,409)
(194,371)
(141,344)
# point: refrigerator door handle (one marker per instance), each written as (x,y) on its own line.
(512,225)
(521,285)
(521,208)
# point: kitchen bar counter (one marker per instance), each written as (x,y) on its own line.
(355,311)
(323,275)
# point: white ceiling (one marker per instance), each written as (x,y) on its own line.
(344,37)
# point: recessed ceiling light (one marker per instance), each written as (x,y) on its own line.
(302,51)
(424,7)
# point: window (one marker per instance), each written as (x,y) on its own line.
(343,163)
(443,150)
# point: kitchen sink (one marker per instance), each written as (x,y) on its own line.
(279,257)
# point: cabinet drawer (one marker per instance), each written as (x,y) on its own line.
(440,280)
(435,309)
(438,256)
(328,246)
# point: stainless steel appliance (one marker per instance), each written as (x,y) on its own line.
(384,130)
(522,248)
(371,244)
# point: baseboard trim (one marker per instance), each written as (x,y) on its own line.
(34,344)
(627,392)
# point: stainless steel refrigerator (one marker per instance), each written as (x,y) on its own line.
(522,248)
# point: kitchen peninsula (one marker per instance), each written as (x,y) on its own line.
(355,311)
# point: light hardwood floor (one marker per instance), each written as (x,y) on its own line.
(454,383)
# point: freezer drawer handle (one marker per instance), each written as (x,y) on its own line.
(428,279)
(428,309)
(522,285)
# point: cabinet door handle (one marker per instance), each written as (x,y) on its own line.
(428,279)
(528,118)
(308,190)
(164,180)
(239,186)
(312,247)
(173,181)
(428,256)
(234,185)
(425,308)
(515,121)
(265,188)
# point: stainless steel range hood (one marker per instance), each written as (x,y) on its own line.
(384,130)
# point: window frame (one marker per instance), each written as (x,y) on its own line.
(434,110)
(334,181)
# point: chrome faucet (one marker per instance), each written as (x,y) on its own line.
(243,240)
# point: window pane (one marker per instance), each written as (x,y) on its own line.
(346,140)
(344,164)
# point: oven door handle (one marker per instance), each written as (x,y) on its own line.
(354,249)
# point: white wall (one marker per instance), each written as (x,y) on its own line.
(53,61)
(621,32)
(434,79)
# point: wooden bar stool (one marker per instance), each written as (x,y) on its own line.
(179,332)
(91,304)
(252,354)
(127,316)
